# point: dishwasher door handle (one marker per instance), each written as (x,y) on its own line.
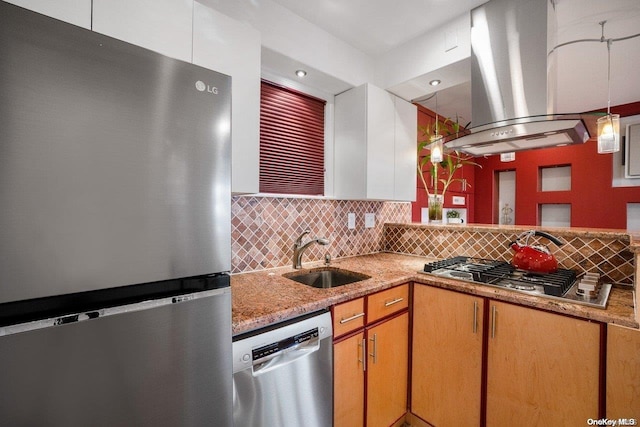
(286,357)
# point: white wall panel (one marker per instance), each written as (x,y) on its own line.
(287,33)
(425,54)
(164,26)
(76,12)
(225,45)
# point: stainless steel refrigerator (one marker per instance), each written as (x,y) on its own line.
(115,225)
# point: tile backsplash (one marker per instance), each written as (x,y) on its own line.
(608,254)
(263,229)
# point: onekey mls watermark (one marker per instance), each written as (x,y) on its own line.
(612,422)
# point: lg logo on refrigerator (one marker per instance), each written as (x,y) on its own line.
(203,87)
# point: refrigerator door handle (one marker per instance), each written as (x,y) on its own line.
(63,320)
(103,312)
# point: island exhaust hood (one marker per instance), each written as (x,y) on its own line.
(513,82)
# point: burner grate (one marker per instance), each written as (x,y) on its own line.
(556,284)
(462,263)
(467,268)
(502,273)
(450,262)
(561,285)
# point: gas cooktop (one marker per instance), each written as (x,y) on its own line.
(564,285)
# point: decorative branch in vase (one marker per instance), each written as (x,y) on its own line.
(440,172)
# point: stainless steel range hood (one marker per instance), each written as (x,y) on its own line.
(513,82)
(526,133)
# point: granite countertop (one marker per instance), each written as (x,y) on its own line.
(264,297)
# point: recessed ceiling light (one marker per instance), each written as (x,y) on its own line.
(435,82)
(301,73)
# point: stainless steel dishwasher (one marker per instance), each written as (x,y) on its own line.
(283,374)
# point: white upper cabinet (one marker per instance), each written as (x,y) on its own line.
(164,26)
(375,145)
(191,32)
(76,12)
(233,48)
(406,154)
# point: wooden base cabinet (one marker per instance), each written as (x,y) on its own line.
(446,357)
(539,368)
(542,369)
(371,359)
(623,373)
(349,357)
(387,371)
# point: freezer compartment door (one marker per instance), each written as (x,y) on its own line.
(115,163)
(169,365)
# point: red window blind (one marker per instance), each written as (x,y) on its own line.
(291,141)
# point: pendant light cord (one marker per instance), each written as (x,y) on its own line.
(609,42)
(437,133)
(608,75)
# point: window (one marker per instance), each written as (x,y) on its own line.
(555,178)
(291,141)
(555,214)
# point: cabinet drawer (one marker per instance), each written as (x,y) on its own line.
(387,302)
(348,316)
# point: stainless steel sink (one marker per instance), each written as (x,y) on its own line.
(326,277)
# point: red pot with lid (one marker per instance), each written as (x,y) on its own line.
(536,258)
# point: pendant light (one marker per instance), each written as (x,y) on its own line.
(436,146)
(436,149)
(609,125)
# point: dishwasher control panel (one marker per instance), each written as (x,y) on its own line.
(269,349)
(294,335)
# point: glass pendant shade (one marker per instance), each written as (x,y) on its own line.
(609,134)
(436,149)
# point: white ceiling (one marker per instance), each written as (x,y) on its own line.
(375,26)
(582,67)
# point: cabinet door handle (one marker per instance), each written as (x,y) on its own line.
(363,352)
(349,319)
(475,317)
(375,349)
(395,301)
(494,314)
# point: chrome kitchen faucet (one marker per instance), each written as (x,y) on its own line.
(299,248)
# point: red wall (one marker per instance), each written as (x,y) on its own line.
(594,202)
(425,118)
